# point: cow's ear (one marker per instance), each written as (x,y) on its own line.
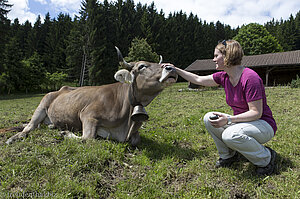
(124,76)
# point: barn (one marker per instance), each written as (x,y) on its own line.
(274,68)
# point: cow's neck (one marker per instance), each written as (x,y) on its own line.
(135,98)
(132,95)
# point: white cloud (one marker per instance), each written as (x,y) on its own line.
(66,6)
(21,11)
(232,12)
(43,2)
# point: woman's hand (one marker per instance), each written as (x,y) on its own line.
(164,65)
(221,121)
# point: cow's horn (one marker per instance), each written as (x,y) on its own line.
(160,59)
(122,61)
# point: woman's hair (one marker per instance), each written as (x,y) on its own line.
(231,51)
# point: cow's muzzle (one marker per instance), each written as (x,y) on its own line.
(168,72)
(139,114)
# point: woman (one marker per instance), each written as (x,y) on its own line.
(251,124)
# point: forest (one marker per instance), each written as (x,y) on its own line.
(42,56)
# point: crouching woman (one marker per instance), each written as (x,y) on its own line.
(251,124)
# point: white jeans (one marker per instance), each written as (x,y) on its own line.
(246,138)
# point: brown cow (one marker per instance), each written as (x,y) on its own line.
(114,111)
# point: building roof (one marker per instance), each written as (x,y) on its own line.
(271,59)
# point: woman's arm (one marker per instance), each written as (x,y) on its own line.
(254,113)
(193,78)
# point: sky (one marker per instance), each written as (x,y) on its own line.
(230,12)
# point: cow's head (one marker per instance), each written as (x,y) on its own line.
(147,79)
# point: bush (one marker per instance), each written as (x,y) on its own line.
(295,83)
(54,81)
(141,50)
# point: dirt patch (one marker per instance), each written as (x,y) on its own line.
(238,194)
(12,129)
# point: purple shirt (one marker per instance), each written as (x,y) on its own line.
(249,88)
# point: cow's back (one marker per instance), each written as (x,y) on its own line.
(102,102)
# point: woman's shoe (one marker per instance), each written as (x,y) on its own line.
(269,169)
(227,162)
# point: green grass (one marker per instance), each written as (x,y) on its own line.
(175,159)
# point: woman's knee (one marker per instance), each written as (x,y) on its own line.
(233,136)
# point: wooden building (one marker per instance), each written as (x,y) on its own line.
(274,68)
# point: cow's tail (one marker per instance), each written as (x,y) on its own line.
(38,117)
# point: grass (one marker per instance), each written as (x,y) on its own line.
(175,159)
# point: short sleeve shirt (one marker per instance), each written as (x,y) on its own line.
(249,88)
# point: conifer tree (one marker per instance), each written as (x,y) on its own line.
(4,28)
(26,31)
(34,38)
(13,68)
(297,24)
(75,52)
(65,45)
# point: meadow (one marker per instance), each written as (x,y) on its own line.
(175,159)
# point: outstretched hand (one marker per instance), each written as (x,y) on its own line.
(164,65)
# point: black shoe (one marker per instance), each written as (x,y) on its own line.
(227,162)
(269,169)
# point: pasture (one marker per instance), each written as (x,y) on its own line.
(174,160)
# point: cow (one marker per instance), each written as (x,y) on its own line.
(113,111)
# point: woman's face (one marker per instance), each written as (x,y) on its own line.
(219,60)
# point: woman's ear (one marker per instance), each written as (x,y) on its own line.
(124,76)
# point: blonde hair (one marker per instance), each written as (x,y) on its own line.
(232,52)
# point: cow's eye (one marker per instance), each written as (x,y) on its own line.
(142,66)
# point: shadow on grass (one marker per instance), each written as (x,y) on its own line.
(282,164)
(157,151)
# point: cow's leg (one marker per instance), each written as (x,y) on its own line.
(38,116)
(133,135)
(135,139)
(89,128)
(69,134)
(48,122)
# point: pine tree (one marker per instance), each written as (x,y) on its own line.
(13,67)
(220,31)
(4,29)
(297,24)
(48,43)
(75,53)
(65,45)
(289,34)
(26,29)
(286,32)
(199,41)
(126,24)
(4,9)
(34,38)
